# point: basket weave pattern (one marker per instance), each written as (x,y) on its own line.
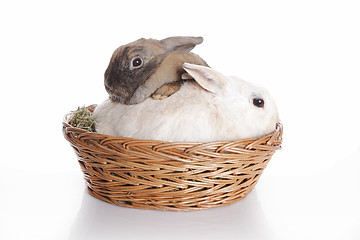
(170,176)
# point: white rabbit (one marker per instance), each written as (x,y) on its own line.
(214,108)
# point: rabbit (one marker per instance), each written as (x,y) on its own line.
(213,108)
(139,69)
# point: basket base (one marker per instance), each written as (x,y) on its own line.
(171,205)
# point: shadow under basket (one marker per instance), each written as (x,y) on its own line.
(176,176)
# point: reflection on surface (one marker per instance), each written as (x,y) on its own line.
(100,220)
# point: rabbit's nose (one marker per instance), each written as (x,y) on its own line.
(109,89)
(108,86)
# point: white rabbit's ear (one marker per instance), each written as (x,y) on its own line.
(181,44)
(208,78)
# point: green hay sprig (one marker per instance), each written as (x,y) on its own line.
(83,118)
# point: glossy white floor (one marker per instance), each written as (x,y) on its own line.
(53,56)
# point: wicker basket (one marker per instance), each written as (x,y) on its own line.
(173,176)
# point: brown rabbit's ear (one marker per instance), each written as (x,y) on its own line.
(181,44)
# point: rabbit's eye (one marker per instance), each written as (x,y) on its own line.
(136,62)
(259,102)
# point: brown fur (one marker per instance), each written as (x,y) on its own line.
(170,70)
(163,62)
(166,90)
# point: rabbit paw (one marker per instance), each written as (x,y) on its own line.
(186,76)
(166,90)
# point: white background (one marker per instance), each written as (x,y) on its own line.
(53,55)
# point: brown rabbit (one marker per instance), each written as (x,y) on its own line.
(149,67)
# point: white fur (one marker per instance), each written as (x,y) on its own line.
(193,114)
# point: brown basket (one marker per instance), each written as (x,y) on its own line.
(173,176)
